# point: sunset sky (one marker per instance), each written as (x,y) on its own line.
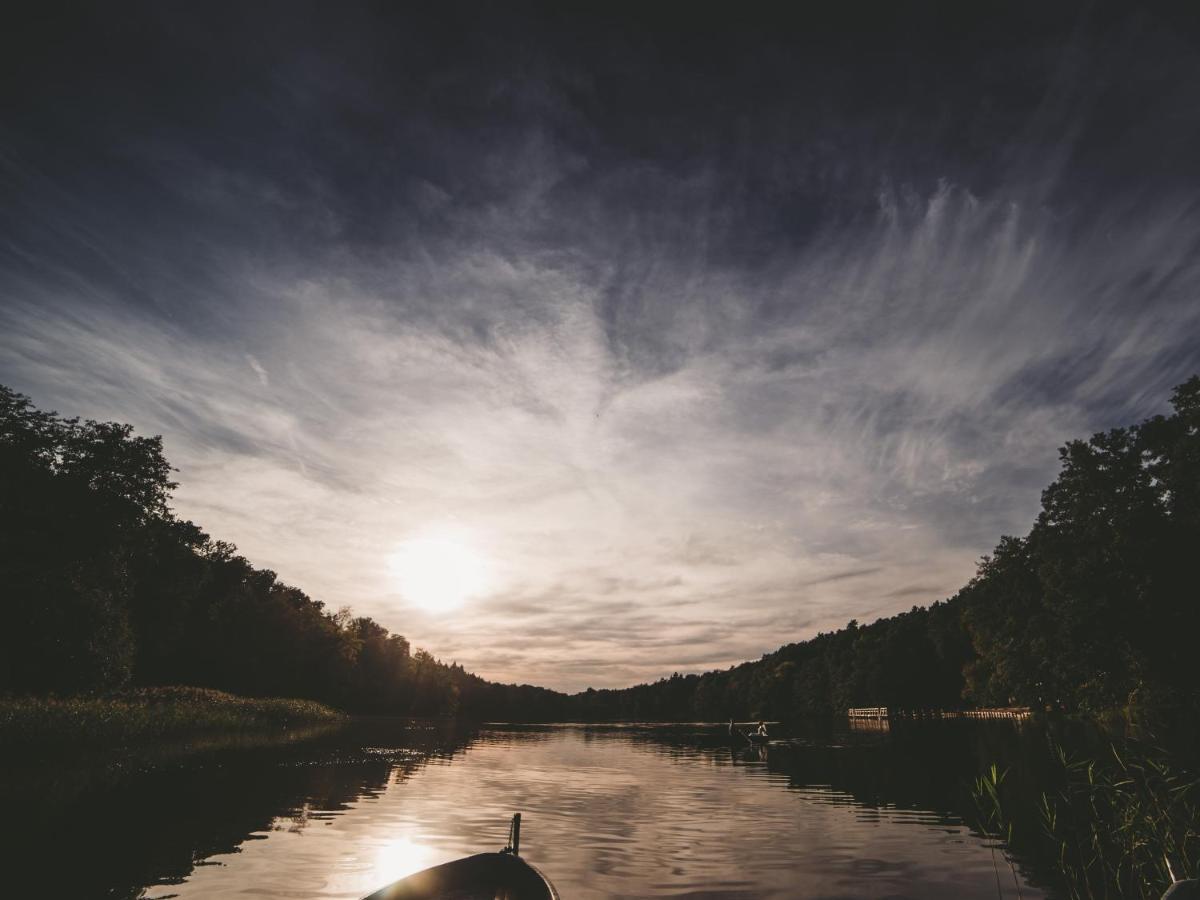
(647,344)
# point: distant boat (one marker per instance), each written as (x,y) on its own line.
(495,876)
(753,737)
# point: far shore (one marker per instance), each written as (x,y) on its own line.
(147,716)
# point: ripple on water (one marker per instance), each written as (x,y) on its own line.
(608,812)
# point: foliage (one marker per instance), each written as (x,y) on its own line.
(1095,608)
(911,660)
(146,714)
(1122,825)
(990,821)
(105,587)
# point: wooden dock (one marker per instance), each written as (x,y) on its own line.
(882,712)
(868,712)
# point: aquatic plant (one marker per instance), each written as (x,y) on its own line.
(1124,825)
(147,714)
(992,823)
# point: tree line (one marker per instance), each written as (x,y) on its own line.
(1096,607)
(105,587)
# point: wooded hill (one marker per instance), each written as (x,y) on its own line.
(105,587)
(1097,607)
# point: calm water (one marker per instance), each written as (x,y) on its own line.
(634,811)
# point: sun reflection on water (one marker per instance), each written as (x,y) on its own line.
(399,857)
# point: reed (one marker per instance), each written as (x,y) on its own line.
(148,714)
(993,824)
(1124,825)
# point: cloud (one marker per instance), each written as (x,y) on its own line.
(694,395)
(258,370)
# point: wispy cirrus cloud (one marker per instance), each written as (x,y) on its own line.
(691,400)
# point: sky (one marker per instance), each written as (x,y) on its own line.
(658,341)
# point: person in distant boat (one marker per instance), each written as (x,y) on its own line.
(762,729)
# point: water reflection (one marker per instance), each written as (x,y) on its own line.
(123,825)
(664,811)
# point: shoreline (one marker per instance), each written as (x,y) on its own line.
(150,714)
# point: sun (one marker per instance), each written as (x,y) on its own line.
(438,572)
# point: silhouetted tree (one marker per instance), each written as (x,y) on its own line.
(103,585)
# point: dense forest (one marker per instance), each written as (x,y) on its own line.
(105,587)
(1096,608)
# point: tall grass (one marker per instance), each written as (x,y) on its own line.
(1124,825)
(992,823)
(147,714)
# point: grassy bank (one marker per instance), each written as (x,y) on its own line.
(149,714)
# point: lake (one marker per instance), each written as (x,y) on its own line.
(828,811)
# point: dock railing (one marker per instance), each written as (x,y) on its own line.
(868,712)
(882,712)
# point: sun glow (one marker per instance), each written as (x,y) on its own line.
(438,572)
(399,858)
